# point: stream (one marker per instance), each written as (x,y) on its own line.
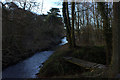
(30,66)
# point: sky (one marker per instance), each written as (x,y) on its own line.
(47,5)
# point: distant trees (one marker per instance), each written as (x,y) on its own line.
(29,5)
(107,30)
(87,26)
(78,22)
(91,24)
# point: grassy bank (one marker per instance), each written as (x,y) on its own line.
(55,66)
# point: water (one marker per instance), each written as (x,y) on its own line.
(29,67)
(64,41)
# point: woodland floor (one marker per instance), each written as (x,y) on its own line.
(56,66)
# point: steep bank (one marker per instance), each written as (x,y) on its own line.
(25,33)
(15,57)
(29,67)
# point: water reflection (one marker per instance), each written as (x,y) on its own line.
(29,67)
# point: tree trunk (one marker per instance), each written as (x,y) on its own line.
(78,24)
(78,29)
(87,15)
(83,14)
(116,40)
(94,15)
(72,29)
(67,23)
(88,29)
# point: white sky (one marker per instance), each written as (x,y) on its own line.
(47,5)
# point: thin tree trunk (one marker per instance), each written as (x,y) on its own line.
(87,18)
(83,14)
(24,5)
(78,25)
(88,28)
(78,29)
(94,15)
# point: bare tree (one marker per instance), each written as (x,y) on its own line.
(29,5)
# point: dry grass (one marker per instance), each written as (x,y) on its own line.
(55,66)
